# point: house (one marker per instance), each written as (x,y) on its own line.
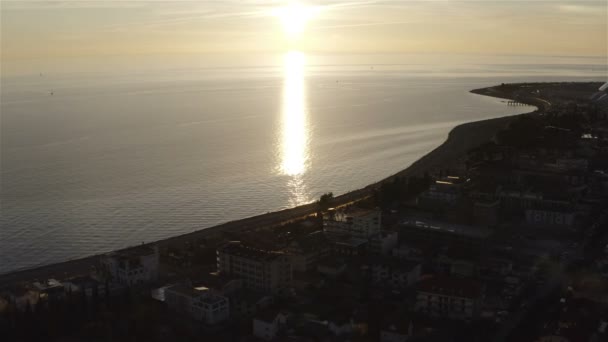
(198,303)
(132,266)
(268,323)
(260,270)
(449,297)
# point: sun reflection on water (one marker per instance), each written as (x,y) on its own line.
(294,128)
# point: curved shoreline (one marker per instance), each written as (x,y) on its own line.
(460,139)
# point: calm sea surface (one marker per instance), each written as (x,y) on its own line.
(111,160)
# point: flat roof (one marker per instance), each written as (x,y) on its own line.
(448,228)
(358,212)
(185,290)
(238,249)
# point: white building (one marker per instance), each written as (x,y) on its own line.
(260,270)
(267,324)
(199,303)
(449,297)
(361,223)
(133,266)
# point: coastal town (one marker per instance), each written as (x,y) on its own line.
(500,234)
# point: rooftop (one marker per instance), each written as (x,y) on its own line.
(238,249)
(346,240)
(185,290)
(213,280)
(359,212)
(448,228)
(47,285)
(136,251)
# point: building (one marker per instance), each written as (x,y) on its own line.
(133,266)
(268,323)
(347,245)
(85,285)
(449,297)
(198,303)
(444,192)
(410,251)
(394,273)
(260,270)
(384,242)
(459,261)
(218,283)
(306,252)
(361,223)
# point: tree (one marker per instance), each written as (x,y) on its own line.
(325,201)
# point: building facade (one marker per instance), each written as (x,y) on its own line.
(260,270)
(200,304)
(131,267)
(449,297)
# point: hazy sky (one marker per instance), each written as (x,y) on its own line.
(55,30)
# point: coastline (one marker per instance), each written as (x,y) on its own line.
(460,139)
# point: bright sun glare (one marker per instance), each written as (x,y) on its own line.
(294,17)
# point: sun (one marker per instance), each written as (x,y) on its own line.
(294,18)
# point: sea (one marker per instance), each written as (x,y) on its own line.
(96,161)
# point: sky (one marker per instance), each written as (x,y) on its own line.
(237,30)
